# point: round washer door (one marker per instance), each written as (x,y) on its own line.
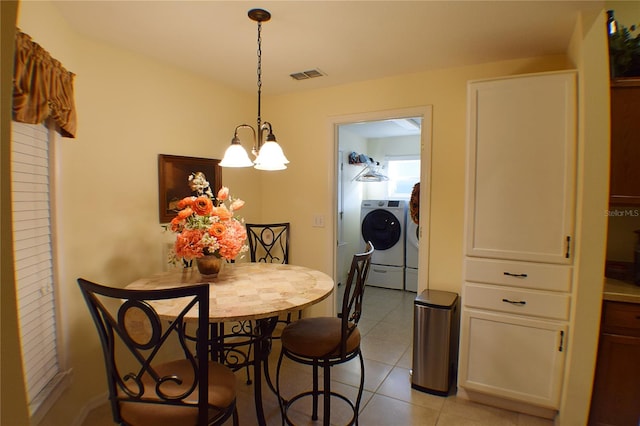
(382,228)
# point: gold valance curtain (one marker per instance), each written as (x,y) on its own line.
(42,87)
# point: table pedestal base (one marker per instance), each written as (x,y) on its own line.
(234,349)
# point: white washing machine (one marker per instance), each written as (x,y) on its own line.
(411,260)
(383,223)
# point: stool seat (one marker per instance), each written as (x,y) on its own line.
(318,338)
(221,378)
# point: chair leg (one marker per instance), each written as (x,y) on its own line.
(281,401)
(314,414)
(236,421)
(360,389)
(327,394)
(249,381)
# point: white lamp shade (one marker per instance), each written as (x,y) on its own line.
(271,157)
(236,156)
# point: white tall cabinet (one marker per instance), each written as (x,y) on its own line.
(519,237)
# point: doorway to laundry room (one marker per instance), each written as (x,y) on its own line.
(383,179)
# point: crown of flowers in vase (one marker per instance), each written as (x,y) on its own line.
(207,225)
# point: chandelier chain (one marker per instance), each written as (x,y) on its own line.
(259,70)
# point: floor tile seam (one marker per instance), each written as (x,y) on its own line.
(482,417)
(398,341)
(369,329)
(363,403)
(397,360)
(364,388)
(439,411)
(364,356)
(406,329)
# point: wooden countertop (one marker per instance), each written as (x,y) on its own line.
(621,291)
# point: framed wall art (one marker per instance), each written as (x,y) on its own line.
(173,180)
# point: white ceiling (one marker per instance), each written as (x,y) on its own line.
(348,40)
(385,128)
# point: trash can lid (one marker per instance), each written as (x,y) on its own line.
(437,299)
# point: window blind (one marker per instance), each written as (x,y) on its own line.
(33,258)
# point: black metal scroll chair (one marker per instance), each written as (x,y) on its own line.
(269,243)
(323,342)
(154,377)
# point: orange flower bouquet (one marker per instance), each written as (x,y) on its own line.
(206,225)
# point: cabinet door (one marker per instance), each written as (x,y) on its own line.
(521,167)
(512,357)
(625,149)
(616,388)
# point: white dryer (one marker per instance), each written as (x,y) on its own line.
(413,240)
(383,223)
(411,251)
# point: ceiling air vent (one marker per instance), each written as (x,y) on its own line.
(304,75)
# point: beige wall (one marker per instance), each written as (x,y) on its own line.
(131,108)
(13,406)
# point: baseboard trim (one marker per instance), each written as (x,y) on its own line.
(507,404)
(93,403)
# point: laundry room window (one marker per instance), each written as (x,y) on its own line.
(403,173)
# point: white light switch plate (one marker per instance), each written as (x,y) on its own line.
(318,221)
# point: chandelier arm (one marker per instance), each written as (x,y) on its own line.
(246,126)
(266,126)
(243,126)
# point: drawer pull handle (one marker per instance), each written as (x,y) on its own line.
(515,275)
(515,302)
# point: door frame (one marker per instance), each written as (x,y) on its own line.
(426,131)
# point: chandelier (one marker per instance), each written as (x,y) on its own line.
(269,155)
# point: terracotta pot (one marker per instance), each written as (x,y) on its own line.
(209,265)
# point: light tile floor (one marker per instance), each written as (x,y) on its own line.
(388,400)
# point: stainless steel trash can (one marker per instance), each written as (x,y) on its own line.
(436,325)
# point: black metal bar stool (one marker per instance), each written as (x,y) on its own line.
(323,342)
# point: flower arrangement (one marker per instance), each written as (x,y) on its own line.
(206,225)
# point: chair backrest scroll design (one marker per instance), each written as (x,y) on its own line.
(137,343)
(268,243)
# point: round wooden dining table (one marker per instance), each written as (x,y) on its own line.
(250,293)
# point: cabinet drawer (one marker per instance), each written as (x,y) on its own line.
(621,318)
(517,301)
(540,276)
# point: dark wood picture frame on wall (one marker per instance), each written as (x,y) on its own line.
(173,180)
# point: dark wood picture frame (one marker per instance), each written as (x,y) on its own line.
(173,180)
